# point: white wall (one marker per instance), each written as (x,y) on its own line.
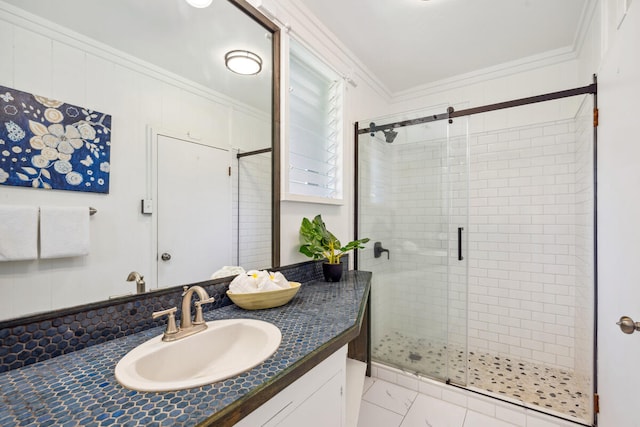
(38,58)
(618,213)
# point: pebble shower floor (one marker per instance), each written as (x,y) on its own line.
(552,390)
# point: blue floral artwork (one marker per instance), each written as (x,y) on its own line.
(49,144)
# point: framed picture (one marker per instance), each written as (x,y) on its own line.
(50,144)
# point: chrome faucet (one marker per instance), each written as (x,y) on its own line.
(139,279)
(187,327)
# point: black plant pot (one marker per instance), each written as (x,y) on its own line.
(332,272)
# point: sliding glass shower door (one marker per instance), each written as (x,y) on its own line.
(413,203)
(484,271)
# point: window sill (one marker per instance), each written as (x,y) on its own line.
(288,197)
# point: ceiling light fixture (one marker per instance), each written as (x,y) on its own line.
(243,62)
(200,4)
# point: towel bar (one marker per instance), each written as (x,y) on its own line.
(92,210)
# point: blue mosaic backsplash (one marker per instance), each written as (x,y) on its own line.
(81,389)
(37,338)
(43,339)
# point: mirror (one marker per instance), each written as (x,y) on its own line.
(158,68)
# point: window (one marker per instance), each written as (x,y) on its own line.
(315,127)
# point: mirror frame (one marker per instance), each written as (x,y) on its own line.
(253,13)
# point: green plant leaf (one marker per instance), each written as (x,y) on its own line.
(318,242)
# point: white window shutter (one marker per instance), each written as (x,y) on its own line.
(315,132)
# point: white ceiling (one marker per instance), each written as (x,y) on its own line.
(408,43)
(172,35)
(404,43)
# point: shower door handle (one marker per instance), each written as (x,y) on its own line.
(460,257)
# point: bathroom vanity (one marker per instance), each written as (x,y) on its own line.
(304,377)
(317,399)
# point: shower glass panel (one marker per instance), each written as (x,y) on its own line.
(252,210)
(413,201)
(514,319)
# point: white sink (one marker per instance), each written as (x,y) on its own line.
(225,349)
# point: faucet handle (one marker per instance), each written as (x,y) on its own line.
(199,319)
(204,301)
(171,320)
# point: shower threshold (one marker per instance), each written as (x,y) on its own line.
(554,391)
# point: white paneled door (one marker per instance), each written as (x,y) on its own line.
(619,227)
(193,211)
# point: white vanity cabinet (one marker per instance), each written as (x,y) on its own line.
(317,399)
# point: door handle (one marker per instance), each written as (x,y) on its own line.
(460,257)
(627,325)
(165,256)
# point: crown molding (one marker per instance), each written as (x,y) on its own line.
(66,36)
(297,18)
(586,19)
(568,53)
(501,70)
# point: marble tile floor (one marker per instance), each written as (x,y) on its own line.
(553,390)
(385,404)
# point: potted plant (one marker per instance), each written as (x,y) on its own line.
(319,243)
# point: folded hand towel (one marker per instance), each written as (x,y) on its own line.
(268,285)
(18,233)
(245,283)
(276,281)
(258,281)
(64,231)
(227,270)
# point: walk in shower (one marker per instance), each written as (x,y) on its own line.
(484,267)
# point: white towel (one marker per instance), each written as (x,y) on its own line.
(64,231)
(258,281)
(245,283)
(228,270)
(18,233)
(275,282)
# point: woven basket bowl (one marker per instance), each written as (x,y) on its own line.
(267,299)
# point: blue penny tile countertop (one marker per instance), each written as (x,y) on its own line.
(80,388)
